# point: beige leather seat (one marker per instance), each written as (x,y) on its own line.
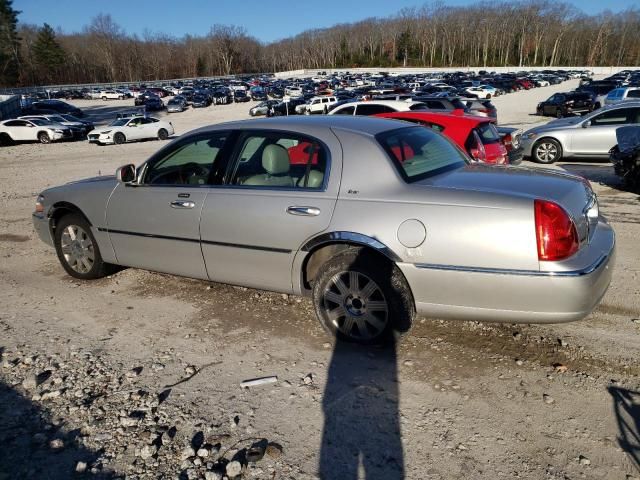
(315,180)
(275,161)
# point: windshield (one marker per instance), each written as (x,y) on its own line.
(56,118)
(121,122)
(71,118)
(419,152)
(40,123)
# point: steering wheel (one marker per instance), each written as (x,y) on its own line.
(192,169)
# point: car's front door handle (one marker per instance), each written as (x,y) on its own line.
(182,204)
(304,211)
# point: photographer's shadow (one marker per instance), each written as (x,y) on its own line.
(361,425)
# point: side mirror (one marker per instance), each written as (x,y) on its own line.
(126,173)
(586,124)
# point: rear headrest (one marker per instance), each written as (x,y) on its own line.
(275,159)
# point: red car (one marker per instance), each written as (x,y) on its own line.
(477,136)
(525,83)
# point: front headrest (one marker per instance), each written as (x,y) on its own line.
(275,159)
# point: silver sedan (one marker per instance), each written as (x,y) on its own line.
(374,219)
(590,136)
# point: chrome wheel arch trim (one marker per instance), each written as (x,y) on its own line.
(350,237)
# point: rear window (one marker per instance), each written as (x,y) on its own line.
(419,152)
(488,133)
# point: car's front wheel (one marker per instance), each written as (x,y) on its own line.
(77,249)
(163,134)
(119,138)
(361,298)
(547,150)
(43,137)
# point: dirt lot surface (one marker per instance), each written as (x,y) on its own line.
(138,375)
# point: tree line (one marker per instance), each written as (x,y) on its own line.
(513,34)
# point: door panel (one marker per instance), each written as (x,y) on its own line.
(252,228)
(249,238)
(600,136)
(146,231)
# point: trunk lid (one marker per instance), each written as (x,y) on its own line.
(571,192)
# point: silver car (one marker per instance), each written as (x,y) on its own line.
(374,219)
(590,136)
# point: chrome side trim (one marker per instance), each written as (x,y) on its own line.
(529,273)
(351,237)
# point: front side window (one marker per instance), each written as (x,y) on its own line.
(633,94)
(280,160)
(419,152)
(189,164)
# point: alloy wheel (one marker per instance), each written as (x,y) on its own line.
(546,152)
(77,248)
(355,305)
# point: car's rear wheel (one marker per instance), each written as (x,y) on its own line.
(43,137)
(104,99)
(559,113)
(163,134)
(361,298)
(77,249)
(547,151)
(119,138)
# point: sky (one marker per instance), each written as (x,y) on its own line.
(267,20)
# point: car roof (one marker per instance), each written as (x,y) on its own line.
(361,124)
(447,118)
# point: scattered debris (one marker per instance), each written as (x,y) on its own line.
(254,382)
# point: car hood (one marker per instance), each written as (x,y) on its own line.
(558,124)
(101,178)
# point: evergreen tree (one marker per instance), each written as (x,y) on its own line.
(9,44)
(48,53)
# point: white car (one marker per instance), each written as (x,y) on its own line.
(373,107)
(293,91)
(36,130)
(130,129)
(111,95)
(482,91)
(320,105)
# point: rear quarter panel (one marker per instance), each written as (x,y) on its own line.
(463,228)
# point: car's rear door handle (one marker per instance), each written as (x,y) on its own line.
(182,204)
(304,211)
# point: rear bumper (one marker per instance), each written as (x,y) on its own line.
(515,296)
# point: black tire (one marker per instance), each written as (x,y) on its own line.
(43,137)
(559,113)
(362,323)
(163,134)
(104,99)
(85,247)
(119,138)
(547,151)
(5,140)
(325,110)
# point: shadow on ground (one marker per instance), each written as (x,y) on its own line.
(361,436)
(596,171)
(626,405)
(26,432)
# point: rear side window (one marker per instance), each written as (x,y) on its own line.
(419,152)
(633,94)
(372,109)
(488,133)
(345,111)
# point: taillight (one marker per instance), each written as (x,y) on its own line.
(477,151)
(556,233)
